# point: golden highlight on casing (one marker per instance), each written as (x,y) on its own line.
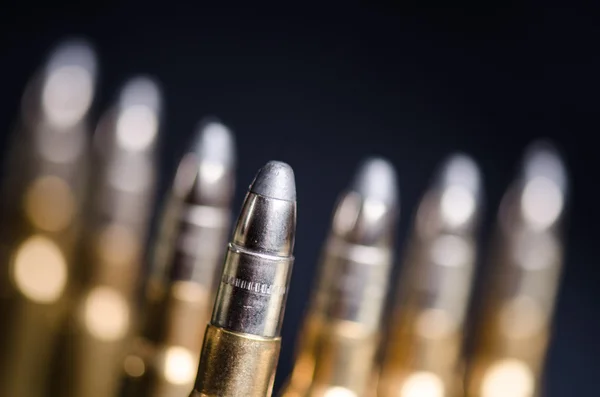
(42,197)
(514,331)
(187,259)
(340,337)
(422,356)
(242,341)
(121,205)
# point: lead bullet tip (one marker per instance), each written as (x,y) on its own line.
(73,52)
(141,91)
(461,170)
(542,159)
(275,180)
(215,143)
(376,179)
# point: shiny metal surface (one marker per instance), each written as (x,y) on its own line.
(341,332)
(241,346)
(237,365)
(358,254)
(122,202)
(259,260)
(346,363)
(189,254)
(195,222)
(514,331)
(42,199)
(275,180)
(422,355)
(255,231)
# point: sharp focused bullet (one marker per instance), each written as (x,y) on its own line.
(513,334)
(121,205)
(342,329)
(187,260)
(242,341)
(422,356)
(42,197)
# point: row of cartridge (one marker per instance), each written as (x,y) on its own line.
(92,305)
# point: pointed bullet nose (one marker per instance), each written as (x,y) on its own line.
(461,170)
(545,186)
(275,180)
(68,85)
(73,53)
(141,91)
(542,159)
(376,179)
(215,143)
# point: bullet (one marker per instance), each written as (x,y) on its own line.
(425,341)
(187,260)
(42,199)
(122,202)
(513,334)
(342,329)
(242,341)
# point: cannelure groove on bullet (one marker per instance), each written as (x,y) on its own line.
(258,265)
(242,341)
(186,261)
(341,331)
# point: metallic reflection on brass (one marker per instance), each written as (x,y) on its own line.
(185,264)
(179,365)
(422,357)
(242,341)
(423,384)
(123,194)
(514,331)
(50,204)
(40,270)
(338,343)
(508,378)
(337,391)
(42,195)
(106,314)
(241,365)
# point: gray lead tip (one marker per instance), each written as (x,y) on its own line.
(141,91)
(215,143)
(376,179)
(461,170)
(73,53)
(542,159)
(275,180)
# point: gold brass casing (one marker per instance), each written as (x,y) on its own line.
(304,367)
(515,324)
(242,342)
(347,353)
(173,366)
(241,365)
(422,354)
(339,340)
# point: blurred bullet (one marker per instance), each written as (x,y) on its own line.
(242,341)
(187,260)
(42,194)
(425,340)
(342,329)
(121,206)
(514,331)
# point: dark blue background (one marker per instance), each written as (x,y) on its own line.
(321,88)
